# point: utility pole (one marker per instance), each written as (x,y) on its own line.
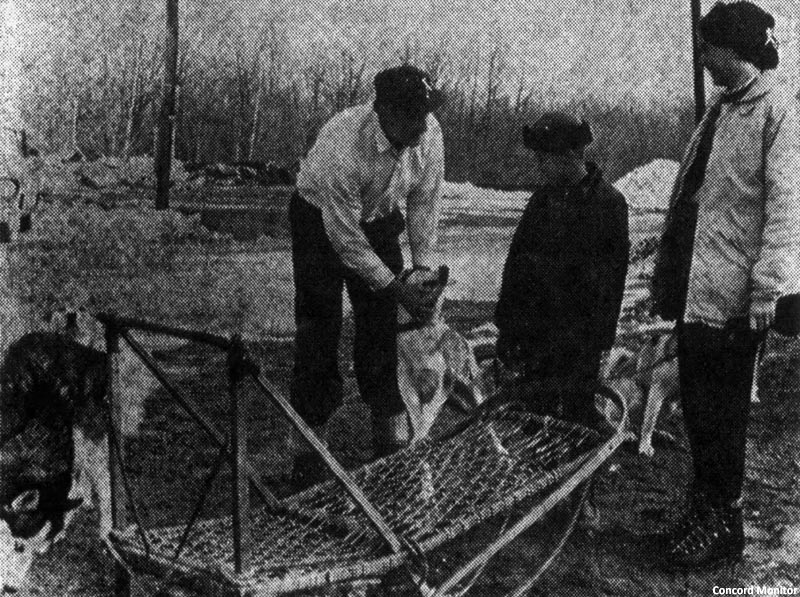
(166,120)
(699,79)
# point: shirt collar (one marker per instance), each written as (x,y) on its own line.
(382,144)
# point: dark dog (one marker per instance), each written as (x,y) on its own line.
(53,441)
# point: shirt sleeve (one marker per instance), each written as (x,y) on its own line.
(423,204)
(338,189)
(777,270)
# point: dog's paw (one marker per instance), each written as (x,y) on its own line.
(646,449)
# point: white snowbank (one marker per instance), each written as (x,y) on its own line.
(646,188)
(464,197)
(649,186)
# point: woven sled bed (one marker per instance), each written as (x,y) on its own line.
(361,524)
(428,494)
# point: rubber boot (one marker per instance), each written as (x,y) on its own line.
(389,434)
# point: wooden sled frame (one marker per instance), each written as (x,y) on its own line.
(130,544)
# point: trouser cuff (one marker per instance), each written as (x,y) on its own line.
(390,432)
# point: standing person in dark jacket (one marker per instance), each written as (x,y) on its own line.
(564,277)
(730,249)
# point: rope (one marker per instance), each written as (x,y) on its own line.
(468,585)
(533,579)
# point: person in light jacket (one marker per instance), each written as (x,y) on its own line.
(730,249)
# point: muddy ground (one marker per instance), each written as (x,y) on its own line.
(610,553)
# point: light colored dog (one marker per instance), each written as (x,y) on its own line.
(435,364)
(54,454)
(647,379)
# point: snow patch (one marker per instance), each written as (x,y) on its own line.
(464,197)
(649,187)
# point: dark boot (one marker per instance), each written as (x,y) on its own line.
(390,434)
(308,467)
(696,511)
(717,539)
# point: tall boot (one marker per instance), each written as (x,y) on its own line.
(389,433)
(308,468)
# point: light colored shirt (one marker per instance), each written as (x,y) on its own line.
(353,175)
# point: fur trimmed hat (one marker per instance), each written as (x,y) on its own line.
(556,132)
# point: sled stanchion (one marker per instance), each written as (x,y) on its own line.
(242,539)
(270,500)
(342,476)
(119,506)
(119,510)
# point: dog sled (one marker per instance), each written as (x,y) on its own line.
(390,514)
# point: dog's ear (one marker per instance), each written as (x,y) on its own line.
(27,501)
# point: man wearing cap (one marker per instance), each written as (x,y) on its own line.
(730,249)
(345,223)
(564,276)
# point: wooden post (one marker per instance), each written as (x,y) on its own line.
(699,79)
(242,543)
(119,504)
(166,120)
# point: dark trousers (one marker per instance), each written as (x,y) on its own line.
(716,374)
(319,276)
(561,377)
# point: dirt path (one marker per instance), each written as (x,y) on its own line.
(609,554)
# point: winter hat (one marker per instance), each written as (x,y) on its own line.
(556,132)
(745,28)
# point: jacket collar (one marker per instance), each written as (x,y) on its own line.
(590,180)
(761,87)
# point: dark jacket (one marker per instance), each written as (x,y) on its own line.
(564,277)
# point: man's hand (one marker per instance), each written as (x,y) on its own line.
(419,300)
(762,315)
